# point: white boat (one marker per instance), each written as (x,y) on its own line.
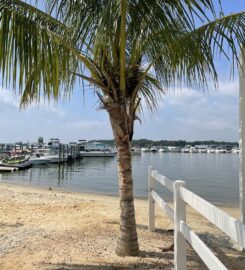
(163,150)
(54,143)
(186,149)
(220,150)
(144,149)
(174,149)
(193,149)
(45,157)
(202,148)
(19,162)
(153,149)
(54,158)
(136,151)
(95,149)
(97,154)
(235,151)
(211,150)
(39,160)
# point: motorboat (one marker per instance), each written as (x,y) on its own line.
(136,151)
(220,150)
(235,150)
(54,143)
(48,156)
(96,149)
(211,150)
(40,157)
(19,162)
(193,149)
(54,159)
(186,149)
(163,150)
(174,149)
(202,150)
(153,149)
(97,154)
(41,160)
(144,149)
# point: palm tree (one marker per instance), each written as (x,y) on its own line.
(130,51)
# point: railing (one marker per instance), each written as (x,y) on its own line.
(182,196)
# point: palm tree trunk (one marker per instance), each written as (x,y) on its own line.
(127,244)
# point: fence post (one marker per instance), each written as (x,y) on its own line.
(151,203)
(179,239)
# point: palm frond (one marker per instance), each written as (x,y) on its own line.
(189,56)
(44,52)
(32,60)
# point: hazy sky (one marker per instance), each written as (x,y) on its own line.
(189,114)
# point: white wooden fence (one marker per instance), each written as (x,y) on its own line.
(182,196)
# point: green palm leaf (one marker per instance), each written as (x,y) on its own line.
(43,54)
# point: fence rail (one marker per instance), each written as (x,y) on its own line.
(229,225)
(201,249)
(157,198)
(182,196)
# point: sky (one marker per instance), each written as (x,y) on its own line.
(188,114)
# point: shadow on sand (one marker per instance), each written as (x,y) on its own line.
(223,248)
(145,266)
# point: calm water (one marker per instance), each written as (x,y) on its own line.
(213,176)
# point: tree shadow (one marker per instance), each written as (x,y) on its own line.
(70,266)
(157,230)
(143,227)
(154,254)
(224,249)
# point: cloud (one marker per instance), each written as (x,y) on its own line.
(193,115)
(8,98)
(86,124)
(186,114)
(184,95)
(11,100)
(49,107)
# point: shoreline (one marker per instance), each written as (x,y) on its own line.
(44,229)
(63,190)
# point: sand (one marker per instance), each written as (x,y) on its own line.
(50,229)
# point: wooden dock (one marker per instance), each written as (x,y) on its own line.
(8,169)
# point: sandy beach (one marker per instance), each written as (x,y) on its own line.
(49,229)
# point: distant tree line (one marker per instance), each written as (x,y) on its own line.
(180,143)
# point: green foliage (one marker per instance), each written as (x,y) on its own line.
(31,57)
(180,143)
(130,51)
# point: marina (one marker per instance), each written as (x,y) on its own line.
(211,170)
(23,156)
(213,176)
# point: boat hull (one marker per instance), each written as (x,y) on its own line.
(97,154)
(7,169)
(19,166)
(39,161)
(54,160)
(136,153)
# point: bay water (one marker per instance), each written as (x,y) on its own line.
(214,177)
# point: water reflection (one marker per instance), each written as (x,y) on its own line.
(213,176)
